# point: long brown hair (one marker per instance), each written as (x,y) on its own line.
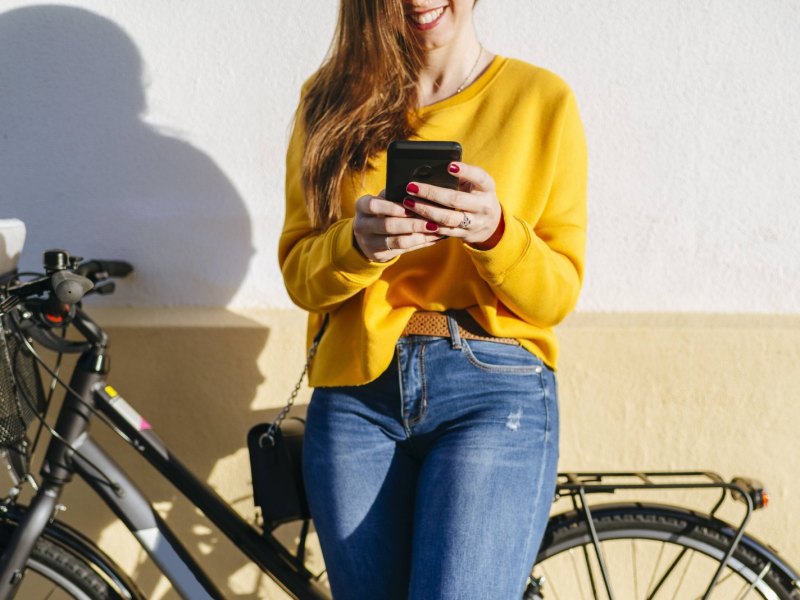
(361,98)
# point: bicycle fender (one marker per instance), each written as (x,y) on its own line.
(76,542)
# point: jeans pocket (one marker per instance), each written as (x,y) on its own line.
(495,357)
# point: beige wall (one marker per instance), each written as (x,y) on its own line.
(637,392)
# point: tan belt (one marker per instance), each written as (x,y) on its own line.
(435,324)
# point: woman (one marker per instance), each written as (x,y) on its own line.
(432,435)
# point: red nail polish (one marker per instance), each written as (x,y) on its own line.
(431,226)
(410,213)
(412,188)
(453,168)
(409,202)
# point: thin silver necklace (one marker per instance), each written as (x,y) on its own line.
(471,71)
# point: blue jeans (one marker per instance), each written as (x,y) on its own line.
(434,481)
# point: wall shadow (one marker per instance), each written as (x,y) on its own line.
(85,172)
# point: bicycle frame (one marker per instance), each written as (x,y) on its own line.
(89,461)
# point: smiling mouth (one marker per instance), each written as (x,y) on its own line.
(427,19)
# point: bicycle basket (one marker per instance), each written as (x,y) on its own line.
(21,392)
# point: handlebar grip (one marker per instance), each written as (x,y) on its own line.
(68,287)
(110,268)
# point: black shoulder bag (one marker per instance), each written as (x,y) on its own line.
(276,459)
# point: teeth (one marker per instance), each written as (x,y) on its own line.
(428,17)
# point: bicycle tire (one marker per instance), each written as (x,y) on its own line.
(752,572)
(55,571)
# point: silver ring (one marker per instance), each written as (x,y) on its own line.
(465,221)
(386,243)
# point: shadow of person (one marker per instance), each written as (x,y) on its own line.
(85,172)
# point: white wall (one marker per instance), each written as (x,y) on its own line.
(155,131)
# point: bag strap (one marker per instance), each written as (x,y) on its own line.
(276,423)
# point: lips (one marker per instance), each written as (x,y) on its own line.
(427,19)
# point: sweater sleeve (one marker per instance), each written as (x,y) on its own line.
(320,269)
(536,269)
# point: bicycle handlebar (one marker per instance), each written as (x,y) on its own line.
(66,282)
(68,279)
(97,270)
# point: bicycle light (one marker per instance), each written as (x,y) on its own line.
(753,488)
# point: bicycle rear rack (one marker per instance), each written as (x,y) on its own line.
(578,484)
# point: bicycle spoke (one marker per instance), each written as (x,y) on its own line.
(744,590)
(587,558)
(655,570)
(683,575)
(667,574)
(635,570)
(550,583)
(575,568)
(723,579)
(758,580)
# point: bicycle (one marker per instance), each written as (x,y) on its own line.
(681,553)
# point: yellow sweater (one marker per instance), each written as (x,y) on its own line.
(521,124)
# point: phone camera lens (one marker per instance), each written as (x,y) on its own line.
(422,172)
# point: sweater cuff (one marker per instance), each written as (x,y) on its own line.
(495,263)
(347,258)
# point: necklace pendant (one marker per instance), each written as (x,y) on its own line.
(471,71)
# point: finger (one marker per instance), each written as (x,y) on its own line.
(408,226)
(435,213)
(455,232)
(475,176)
(375,206)
(413,241)
(416,240)
(397,226)
(390,246)
(439,195)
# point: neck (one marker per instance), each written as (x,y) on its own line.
(446,68)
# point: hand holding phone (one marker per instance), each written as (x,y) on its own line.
(424,162)
(382,228)
(463,206)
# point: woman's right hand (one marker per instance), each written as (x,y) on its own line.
(384,229)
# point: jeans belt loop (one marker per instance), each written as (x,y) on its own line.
(455,334)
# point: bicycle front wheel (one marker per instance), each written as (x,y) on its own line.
(652,552)
(61,567)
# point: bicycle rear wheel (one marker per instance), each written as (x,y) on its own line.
(653,552)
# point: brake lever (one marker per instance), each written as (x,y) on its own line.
(103,289)
(30,328)
(99,270)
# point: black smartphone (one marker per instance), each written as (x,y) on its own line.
(425,162)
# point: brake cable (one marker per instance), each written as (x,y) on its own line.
(103,477)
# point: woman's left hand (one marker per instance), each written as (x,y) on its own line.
(471,213)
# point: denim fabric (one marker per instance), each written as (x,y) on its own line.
(435,480)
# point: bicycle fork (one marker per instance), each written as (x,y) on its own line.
(20,546)
(57,470)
